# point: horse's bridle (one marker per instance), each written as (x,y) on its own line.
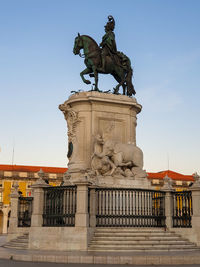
(81,55)
(87,55)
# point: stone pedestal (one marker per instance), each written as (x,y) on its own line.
(94,118)
(92,113)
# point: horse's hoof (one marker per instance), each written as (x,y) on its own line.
(87,82)
(115,91)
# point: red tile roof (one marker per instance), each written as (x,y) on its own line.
(22,168)
(171,174)
(151,175)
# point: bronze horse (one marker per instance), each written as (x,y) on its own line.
(122,72)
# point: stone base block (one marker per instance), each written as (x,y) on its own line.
(59,238)
(18,231)
(109,181)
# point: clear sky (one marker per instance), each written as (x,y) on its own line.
(38,70)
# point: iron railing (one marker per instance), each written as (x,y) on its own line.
(59,206)
(182,209)
(24,211)
(117,207)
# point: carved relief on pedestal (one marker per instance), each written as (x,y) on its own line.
(112,158)
(72,119)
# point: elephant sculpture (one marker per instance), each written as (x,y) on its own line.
(121,155)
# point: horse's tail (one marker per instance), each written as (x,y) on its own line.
(130,88)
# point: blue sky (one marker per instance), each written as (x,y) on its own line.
(38,70)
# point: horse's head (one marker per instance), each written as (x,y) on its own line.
(78,44)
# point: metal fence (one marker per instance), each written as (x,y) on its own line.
(117,207)
(182,209)
(59,206)
(24,211)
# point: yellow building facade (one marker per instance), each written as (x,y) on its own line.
(25,176)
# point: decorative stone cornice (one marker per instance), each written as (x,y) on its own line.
(94,96)
(85,179)
(72,119)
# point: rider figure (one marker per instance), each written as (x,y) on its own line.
(108,43)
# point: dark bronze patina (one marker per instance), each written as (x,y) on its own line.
(70,149)
(105,59)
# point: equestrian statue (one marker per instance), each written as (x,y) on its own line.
(105,59)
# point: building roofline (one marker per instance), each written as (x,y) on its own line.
(28,168)
(172,174)
(151,175)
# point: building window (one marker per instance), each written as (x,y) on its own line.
(23,174)
(179,183)
(8,174)
(1,196)
(155,181)
(53,175)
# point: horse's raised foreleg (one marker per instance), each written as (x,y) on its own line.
(84,72)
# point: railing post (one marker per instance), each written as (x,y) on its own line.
(92,207)
(14,199)
(167,188)
(196,207)
(38,202)
(5,220)
(82,216)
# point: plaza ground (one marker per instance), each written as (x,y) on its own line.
(26,258)
(10,263)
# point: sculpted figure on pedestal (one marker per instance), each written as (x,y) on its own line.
(101,165)
(105,59)
(108,44)
(72,119)
(117,158)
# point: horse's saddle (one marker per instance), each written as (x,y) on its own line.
(121,60)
